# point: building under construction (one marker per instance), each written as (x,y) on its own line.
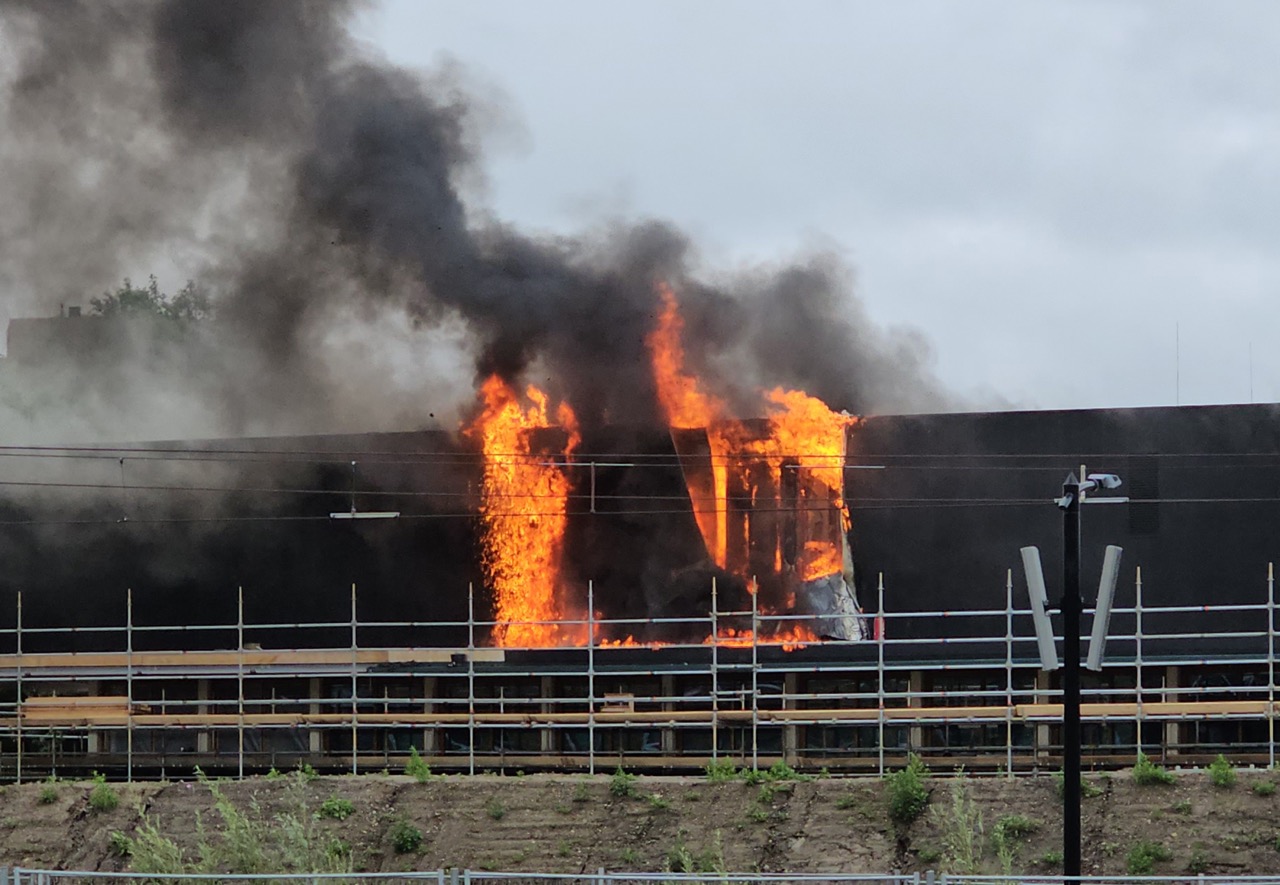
(247,604)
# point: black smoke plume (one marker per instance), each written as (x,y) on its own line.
(328,200)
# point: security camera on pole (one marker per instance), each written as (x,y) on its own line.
(1071,607)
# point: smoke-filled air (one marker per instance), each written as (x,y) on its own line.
(329,206)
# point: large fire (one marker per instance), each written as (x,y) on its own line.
(766,494)
(688,407)
(803,436)
(524,511)
(795,462)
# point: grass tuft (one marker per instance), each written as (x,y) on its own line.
(1144,856)
(1146,773)
(336,808)
(103,796)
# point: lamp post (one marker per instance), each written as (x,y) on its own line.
(1071,607)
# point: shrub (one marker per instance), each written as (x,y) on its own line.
(48,794)
(336,808)
(416,767)
(1264,788)
(1146,773)
(102,797)
(766,794)
(623,784)
(582,792)
(907,794)
(1005,835)
(781,771)
(1143,857)
(495,809)
(721,771)
(658,802)
(1221,774)
(1198,863)
(680,859)
(405,837)
(962,829)
(305,772)
(1016,826)
(248,842)
(121,845)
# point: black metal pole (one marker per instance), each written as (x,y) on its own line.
(1071,678)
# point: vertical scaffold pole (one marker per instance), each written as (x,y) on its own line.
(880,669)
(240,681)
(471,678)
(1271,665)
(715,672)
(128,682)
(1137,649)
(591,677)
(1008,674)
(18,706)
(755,672)
(355,703)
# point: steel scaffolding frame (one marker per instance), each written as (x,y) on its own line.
(673,706)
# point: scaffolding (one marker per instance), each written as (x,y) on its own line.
(974,696)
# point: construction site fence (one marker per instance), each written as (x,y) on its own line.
(24,876)
(741,697)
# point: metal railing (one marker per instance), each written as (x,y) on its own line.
(26,876)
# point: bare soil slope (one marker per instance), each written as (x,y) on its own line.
(566,823)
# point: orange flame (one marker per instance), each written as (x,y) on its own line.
(790,638)
(687,406)
(524,512)
(803,435)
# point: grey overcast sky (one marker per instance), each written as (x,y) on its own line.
(1054,193)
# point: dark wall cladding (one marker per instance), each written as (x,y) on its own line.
(959,494)
(941,510)
(184,532)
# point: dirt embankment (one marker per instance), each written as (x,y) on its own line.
(566,823)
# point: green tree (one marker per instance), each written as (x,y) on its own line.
(191,303)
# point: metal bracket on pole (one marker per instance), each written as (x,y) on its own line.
(1039,608)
